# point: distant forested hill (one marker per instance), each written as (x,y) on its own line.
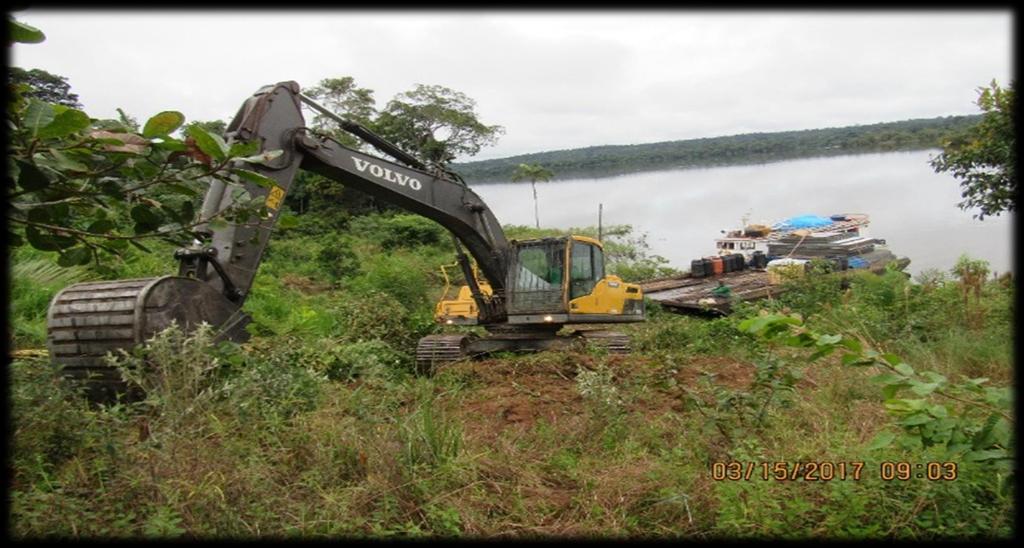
(750,148)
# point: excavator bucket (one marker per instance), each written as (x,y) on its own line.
(87,321)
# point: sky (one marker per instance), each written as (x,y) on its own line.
(553,79)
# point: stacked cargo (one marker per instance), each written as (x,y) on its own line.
(821,244)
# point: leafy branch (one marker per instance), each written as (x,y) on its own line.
(978,428)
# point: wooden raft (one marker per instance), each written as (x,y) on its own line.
(684,294)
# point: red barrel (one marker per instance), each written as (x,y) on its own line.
(717,265)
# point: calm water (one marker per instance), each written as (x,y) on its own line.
(682,211)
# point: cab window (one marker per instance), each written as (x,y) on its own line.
(540,269)
(587,268)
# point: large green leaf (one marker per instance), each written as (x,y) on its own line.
(66,163)
(145,218)
(163,124)
(75,256)
(244,148)
(38,114)
(101,226)
(47,242)
(180,188)
(64,124)
(882,439)
(916,419)
(30,177)
(923,389)
(904,369)
(211,145)
(171,144)
(22,33)
(39,215)
(253,177)
(829,339)
(855,360)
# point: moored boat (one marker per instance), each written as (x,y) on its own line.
(757,237)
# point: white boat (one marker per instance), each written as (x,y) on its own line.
(756,237)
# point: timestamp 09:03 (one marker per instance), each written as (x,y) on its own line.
(828,471)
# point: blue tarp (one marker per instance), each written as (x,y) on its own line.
(857,262)
(803,221)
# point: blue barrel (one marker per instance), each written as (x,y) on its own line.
(728,263)
(741,262)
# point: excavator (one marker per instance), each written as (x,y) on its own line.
(521,292)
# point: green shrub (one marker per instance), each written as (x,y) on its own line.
(345,361)
(410,231)
(273,387)
(403,230)
(394,276)
(338,259)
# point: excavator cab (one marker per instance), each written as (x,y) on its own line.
(554,281)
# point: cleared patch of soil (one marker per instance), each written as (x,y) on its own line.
(513,395)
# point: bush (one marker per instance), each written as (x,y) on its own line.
(343,361)
(273,387)
(410,231)
(338,259)
(396,277)
(404,230)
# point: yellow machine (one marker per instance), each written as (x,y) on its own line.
(545,295)
(461,310)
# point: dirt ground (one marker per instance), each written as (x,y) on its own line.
(514,395)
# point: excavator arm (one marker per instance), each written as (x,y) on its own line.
(273,116)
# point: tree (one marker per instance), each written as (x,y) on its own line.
(78,186)
(416,121)
(216,127)
(437,122)
(984,156)
(533,173)
(44,86)
(343,97)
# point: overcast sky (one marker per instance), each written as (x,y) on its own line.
(554,80)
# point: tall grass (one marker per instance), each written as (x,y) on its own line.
(317,427)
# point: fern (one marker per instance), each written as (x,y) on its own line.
(47,273)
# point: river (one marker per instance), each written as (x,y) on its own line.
(683,210)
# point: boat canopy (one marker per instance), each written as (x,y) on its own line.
(803,221)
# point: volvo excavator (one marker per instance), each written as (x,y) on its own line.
(522,292)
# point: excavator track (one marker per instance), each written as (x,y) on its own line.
(435,350)
(612,341)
